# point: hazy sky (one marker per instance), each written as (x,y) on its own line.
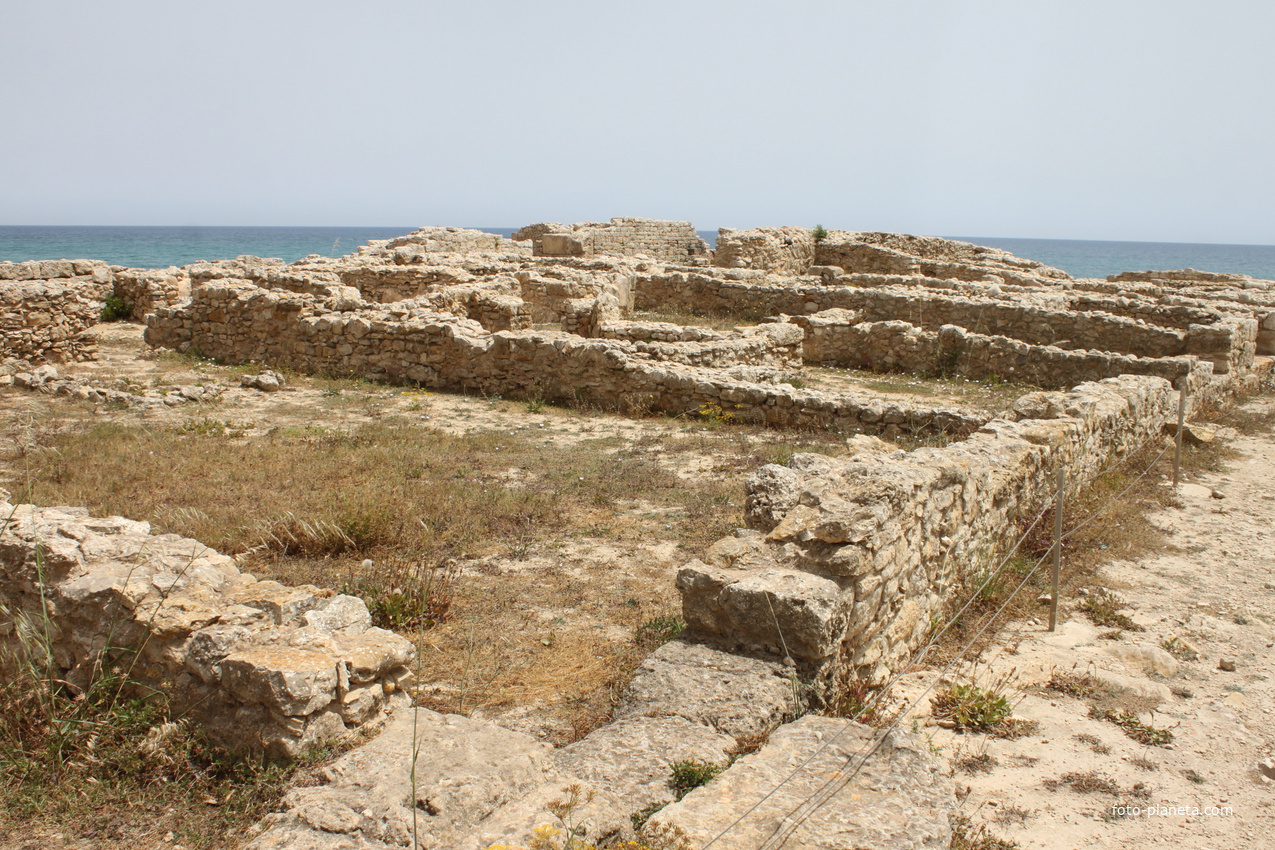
(1103,120)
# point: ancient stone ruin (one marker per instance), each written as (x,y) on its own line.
(262,666)
(840,569)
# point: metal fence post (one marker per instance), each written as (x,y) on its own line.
(1058,524)
(1177,449)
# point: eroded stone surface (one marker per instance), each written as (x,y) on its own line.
(898,800)
(475,784)
(262,665)
(630,761)
(735,694)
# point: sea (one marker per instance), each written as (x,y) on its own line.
(159,247)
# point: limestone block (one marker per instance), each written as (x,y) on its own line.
(1150,659)
(340,614)
(292,680)
(738,695)
(772,491)
(898,800)
(466,772)
(284,604)
(372,653)
(630,760)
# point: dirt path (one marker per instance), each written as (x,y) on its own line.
(1081,782)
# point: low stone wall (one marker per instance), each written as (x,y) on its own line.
(772,345)
(145,290)
(46,308)
(414,246)
(238,322)
(673,241)
(793,251)
(1229,342)
(263,666)
(838,338)
(847,562)
(853,256)
(1183,275)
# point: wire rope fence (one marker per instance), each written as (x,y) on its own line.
(854,763)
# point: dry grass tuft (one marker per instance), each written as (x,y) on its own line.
(1089,782)
(966,835)
(975,763)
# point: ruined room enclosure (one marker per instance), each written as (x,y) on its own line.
(876,411)
(640,428)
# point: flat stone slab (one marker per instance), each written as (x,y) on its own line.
(735,694)
(899,800)
(476,784)
(630,761)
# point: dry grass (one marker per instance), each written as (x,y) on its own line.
(967,835)
(529,564)
(1088,782)
(972,763)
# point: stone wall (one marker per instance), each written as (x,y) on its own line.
(775,345)
(793,251)
(853,256)
(838,338)
(1182,275)
(414,246)
(145,290)
(237,322)
(937,253)
(47,307)
(784,250)
(1228,342)
(672,241)
(1230,293)
(846,562)
(263,666)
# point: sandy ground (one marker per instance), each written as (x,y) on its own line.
(1213,587)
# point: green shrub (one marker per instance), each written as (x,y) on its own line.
(691,774)
(116,309)
(819,233)
(972,708)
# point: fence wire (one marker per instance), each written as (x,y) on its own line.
(855,762)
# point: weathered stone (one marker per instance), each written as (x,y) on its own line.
(240,656)
(898,799)
(1149,659)
(474,784)
(630,761)
(735,694)
(290,680)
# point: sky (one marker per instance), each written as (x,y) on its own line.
(1119,119)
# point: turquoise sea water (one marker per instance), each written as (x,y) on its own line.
(157,247)
(1084,258)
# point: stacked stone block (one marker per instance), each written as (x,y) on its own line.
(263,666)
(839,338)
(847,562)
(145,290)
(239,322)
(47,307)
(672,241)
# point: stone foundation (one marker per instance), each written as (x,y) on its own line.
(847,562)
(238,322)
(262,666)
(47,307)
(672,241)
(838,338)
